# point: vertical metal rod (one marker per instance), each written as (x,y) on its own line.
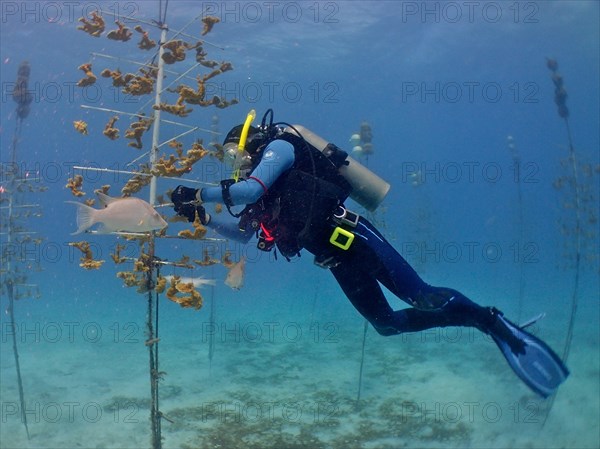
(11,311)
(578,232)
(10,284)
(155,415)
(213,313)
(362,362)
(365,329)
(521,224)
(157,112)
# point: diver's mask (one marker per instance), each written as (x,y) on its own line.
(231,152)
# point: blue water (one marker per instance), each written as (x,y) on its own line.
(443,85)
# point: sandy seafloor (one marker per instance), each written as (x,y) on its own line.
(287,347)
(285,380)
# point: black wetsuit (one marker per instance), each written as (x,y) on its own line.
(281,180)
(294,199)
(371,260)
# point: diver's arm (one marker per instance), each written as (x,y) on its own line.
(228,228)
(278,157)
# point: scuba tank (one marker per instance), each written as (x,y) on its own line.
(368,189)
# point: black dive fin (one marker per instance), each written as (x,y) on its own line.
(534,362)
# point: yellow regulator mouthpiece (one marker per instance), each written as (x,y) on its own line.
(242,144)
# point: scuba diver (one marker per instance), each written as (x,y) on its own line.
(294,186)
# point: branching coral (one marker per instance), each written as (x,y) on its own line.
(140,84)
(109,130)
(178,108)
(189,95)
(161,284)
(139,276)
(209,22)
(94,27)
(174,51)
(81,127)
(199,230)
(118,79)
(207,260)
(122,33)
(116,256)
(168,167)
(90,78)
(227,262)
(146,43)
(87,261)
(104,189)
(137,130)
(198,96)
(74,184)
(178,290)
(130,279)
(136,182)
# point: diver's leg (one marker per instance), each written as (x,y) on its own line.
(531,359)
(366,263)
(435,306)
(368,299)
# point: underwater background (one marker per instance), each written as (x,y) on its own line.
(455,93)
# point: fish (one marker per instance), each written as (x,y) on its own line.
(235,276)
(198,282)
(118,214)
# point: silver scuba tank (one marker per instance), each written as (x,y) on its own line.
(368,189)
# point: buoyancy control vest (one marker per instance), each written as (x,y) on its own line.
(294,213)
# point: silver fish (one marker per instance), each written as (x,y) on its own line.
(198,282)
(119,214)
(235,276)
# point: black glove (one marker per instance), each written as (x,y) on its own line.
(188,210)
(186,204)
(183,195)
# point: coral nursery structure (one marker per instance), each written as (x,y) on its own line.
(580,224)
(161,160)
(17,192)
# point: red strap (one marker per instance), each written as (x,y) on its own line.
(268,236)
(262,184)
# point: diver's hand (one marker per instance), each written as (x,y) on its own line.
(186,202)
(188,210)
(183,195)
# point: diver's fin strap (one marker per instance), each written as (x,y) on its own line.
(532,321)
